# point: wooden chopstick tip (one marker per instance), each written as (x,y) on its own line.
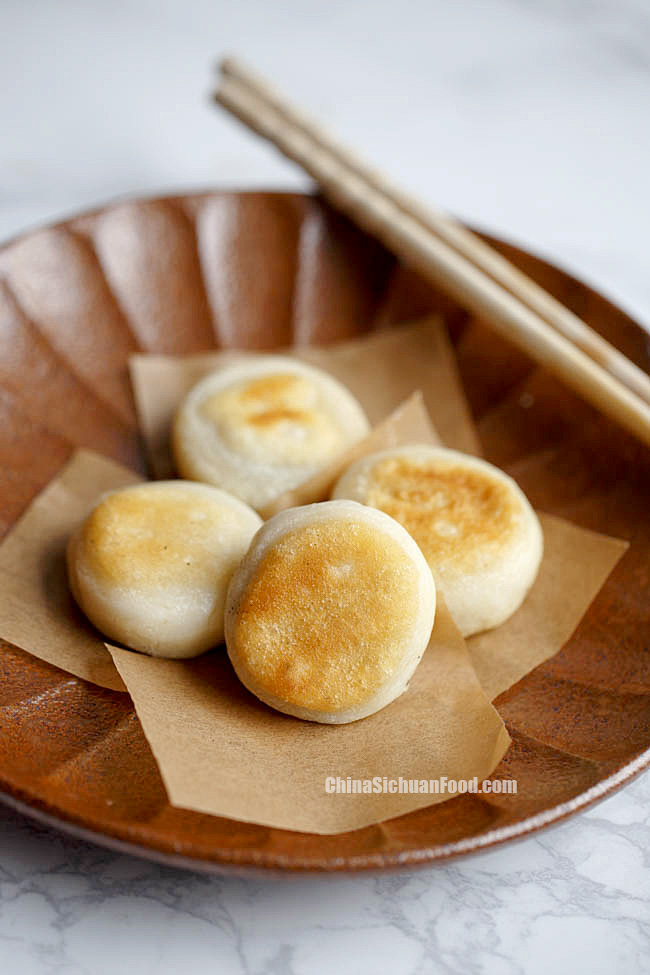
(229,70)
(230,65)
(224,67)
(221,64)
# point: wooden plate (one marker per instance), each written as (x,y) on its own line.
(187,273)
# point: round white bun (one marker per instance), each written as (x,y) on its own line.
(330,611)
(150,565)
(475,526)
(262,425)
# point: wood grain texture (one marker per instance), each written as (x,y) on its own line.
(260,270)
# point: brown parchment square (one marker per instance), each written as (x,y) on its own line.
(381,369)
(221,751)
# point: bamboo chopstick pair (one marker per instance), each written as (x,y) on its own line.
(450,256)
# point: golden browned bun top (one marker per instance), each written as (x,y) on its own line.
(450,509)
(324,618)
(143,536)
(278,415)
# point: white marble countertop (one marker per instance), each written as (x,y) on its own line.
(530,119)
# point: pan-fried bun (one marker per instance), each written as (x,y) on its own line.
(475,526)
(151,564)
(330,612)
(262,425)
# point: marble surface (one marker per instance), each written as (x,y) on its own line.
(527,118)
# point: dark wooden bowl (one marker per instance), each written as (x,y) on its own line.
(189,273)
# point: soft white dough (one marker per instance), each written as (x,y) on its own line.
(330,611)
(260,426)
(475,526)
(150,565)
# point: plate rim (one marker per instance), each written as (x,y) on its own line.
(225,863)
(247,860)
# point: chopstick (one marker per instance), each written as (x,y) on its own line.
(453,258)
(464,241)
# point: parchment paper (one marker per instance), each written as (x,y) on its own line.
(575,565)
(221,751)
(382,370)
(37,611)
(379,369)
